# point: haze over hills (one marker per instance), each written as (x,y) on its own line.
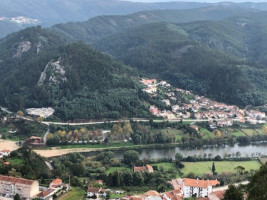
(103,26)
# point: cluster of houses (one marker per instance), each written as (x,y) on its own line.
(29,189)
(198,107)
(183,188)
(4,153)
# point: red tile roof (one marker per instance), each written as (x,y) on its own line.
(56,182)
(45,193)
(139,169)
(93,190)
(200,183)
(149,168)
(15,181)
(152,193)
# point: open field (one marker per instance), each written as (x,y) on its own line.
(238,133)
(200,168)
(75,193)
(113,169)
(9,145)
(206,133)
(15,161)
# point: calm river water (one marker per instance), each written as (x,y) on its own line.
(250,150)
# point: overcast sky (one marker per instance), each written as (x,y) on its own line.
(212,1)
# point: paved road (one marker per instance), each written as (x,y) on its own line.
(112,121)
(226,186)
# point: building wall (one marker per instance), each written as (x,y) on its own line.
(191,191)
(27,191)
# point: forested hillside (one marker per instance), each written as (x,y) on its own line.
(103,26)
(39,69)
(170,52)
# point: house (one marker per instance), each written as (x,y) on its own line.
(149,81)
(172,195)
(56,183)
(198,188)
(5,152)
(150,89)
(227,122)
(46,194)
(25,188)
(35,140)
(96,192)
(148,168)
(1,155)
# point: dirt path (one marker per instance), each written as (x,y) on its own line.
(9,145)
(60,152)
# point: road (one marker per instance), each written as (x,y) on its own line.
(112,121)
(226,186)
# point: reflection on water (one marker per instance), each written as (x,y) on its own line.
(245,151)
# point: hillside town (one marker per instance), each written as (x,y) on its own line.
(196,107)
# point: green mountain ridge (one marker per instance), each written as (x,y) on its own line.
(102,26)
(168,51)
(79,82)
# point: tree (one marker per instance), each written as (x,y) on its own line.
(218,134)
(16,197)
(213,169)
(257,188)
(130,156)
(20,113)
(233,193)
(264,130)
(178,156)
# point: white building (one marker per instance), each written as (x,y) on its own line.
(5,152)
(11,186)
(198,188)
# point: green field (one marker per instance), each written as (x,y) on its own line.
(15,161)
(238,134)
(75,193)
(207,134)
(200,168)
(113,169)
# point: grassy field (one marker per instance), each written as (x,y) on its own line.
(95,145)
(238,133)
(207,134)
(75,193)
(165,166)
(112,169)
(15,161)
(200,168)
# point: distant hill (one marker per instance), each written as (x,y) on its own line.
(103,26)
(38,68)
(50,12)
(172,52)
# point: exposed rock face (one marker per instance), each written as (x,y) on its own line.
(22,48)
(38,47)
(53,73)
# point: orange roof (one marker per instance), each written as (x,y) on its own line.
(219,194)
(149,168)
(214,182)
(56,181)
(45,193)
(152,193)
(139,169)
(199,183)
(6,163)
(15,181)
(5,151)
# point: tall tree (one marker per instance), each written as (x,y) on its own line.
(257,188)
(213,169)
(233,193)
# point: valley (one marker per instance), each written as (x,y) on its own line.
(132,100)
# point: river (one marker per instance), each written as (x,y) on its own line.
(160,153)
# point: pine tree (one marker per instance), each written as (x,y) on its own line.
(213,169)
